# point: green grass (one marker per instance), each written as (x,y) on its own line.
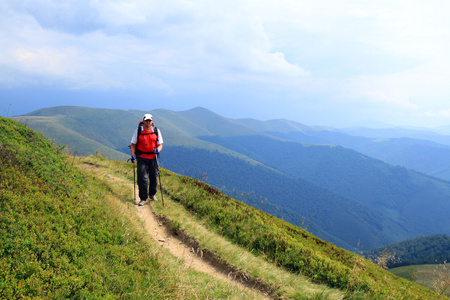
(61,235)
(205,214)
(69,232)
(289,285)
(191,284)
(287,246)
(434,277)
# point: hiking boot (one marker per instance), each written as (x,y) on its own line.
(142,203)
(153,198)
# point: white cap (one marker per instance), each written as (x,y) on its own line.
(147,117)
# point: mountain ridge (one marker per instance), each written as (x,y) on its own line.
(190,133)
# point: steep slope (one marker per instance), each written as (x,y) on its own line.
(181,128)
(348,196)
(70,234)
(62,237)
(179,244)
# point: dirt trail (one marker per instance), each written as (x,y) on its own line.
(175,245)
(191,258)
(179,248)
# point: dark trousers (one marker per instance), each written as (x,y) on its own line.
(147,177)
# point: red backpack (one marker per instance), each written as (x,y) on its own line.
(139,129)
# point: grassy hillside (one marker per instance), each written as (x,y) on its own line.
(66,234)
(61,237)
(348,196)
(73,135)
(432,276)
(178,130)
(283,244)
(70,233)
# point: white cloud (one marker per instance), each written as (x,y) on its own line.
(122,13)
(442,113)
(148,38)
(387,54)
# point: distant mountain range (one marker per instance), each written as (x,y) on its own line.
(354,187)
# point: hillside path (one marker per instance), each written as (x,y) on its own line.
(176,246)
(171,242)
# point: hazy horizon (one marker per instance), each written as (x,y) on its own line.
(320,63)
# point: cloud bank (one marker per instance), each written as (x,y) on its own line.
(310,61)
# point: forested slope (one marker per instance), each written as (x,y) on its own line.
(434,249)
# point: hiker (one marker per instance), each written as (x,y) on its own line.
(146,143)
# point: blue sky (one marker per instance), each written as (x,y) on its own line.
(324,62)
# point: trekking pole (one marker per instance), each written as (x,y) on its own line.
(134,176)
(134,179)
(159,174)
(134,182)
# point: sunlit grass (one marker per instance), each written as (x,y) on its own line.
(365,279)
(290,285)
(63,236)
(190,283)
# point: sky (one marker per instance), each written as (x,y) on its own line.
(318,62)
